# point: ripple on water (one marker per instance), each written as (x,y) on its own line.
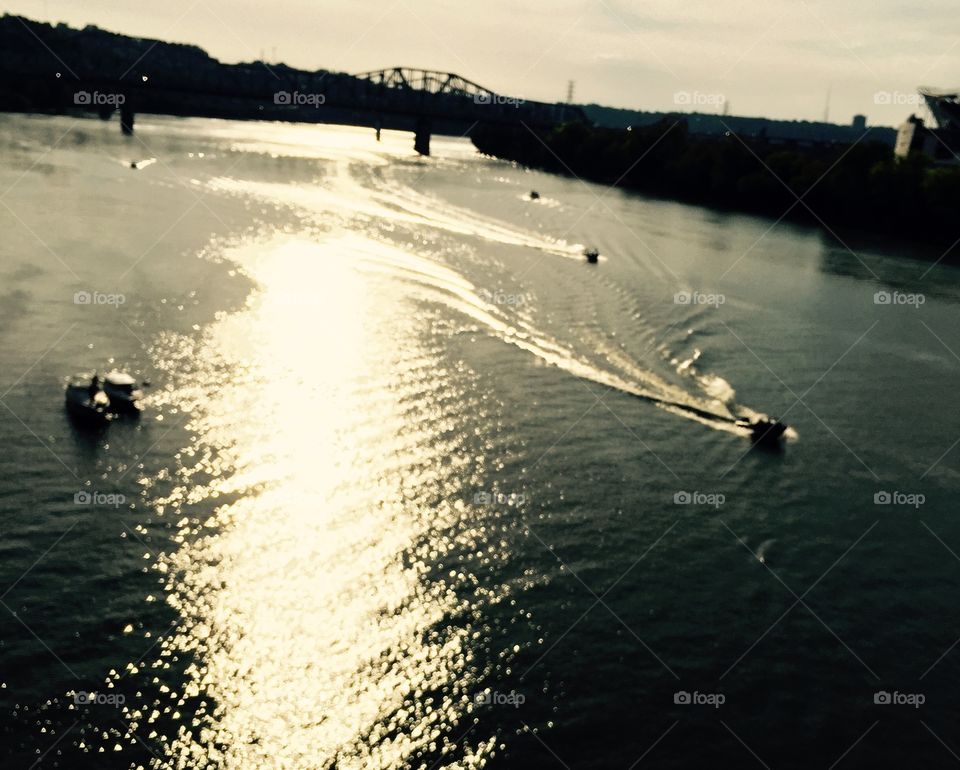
(318,508)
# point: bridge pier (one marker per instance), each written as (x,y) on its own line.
(126,119)
(421,139)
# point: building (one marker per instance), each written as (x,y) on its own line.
(945,106)
(941,143)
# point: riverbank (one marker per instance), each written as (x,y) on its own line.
(861,186)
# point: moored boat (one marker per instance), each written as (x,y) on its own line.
(122,391)
(87,404)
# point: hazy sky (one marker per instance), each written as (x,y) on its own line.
(777,58)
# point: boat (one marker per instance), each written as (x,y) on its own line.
(766,431)
(592,255)
(87,404)
(122,391)
(534,195)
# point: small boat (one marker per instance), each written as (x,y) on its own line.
(766,431)
(122,391)
(534,195)
(88,406)
(592,255)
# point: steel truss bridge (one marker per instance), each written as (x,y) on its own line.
(402,98)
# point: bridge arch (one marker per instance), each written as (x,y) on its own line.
(427,81)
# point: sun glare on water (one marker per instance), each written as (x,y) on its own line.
(313,638)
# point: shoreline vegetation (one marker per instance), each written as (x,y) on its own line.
(861,187)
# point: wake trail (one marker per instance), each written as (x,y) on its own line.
(344,196)
(453,290)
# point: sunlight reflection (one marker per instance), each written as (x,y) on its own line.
(313,637)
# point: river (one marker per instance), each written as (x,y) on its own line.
(394,502)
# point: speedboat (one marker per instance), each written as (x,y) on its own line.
(87,404)
(766,431)
(592,255)
(534,195)
(122,391)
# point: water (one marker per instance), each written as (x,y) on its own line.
(394,501)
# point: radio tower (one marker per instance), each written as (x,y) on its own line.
(570,92)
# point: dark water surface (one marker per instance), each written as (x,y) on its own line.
(394,502)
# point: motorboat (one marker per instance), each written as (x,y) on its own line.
(766,431)
(87,404)
(122,391)
(592,255)
(534,195)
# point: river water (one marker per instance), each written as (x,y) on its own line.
(394,501)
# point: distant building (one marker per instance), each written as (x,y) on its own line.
(914,136)
(945,106)
(942,143)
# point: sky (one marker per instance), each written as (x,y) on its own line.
(788,59)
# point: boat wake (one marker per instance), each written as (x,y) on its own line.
(369,210)
(344,197)
(439,283)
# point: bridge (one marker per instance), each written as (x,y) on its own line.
(46,68)
(402,98)
(449,102)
